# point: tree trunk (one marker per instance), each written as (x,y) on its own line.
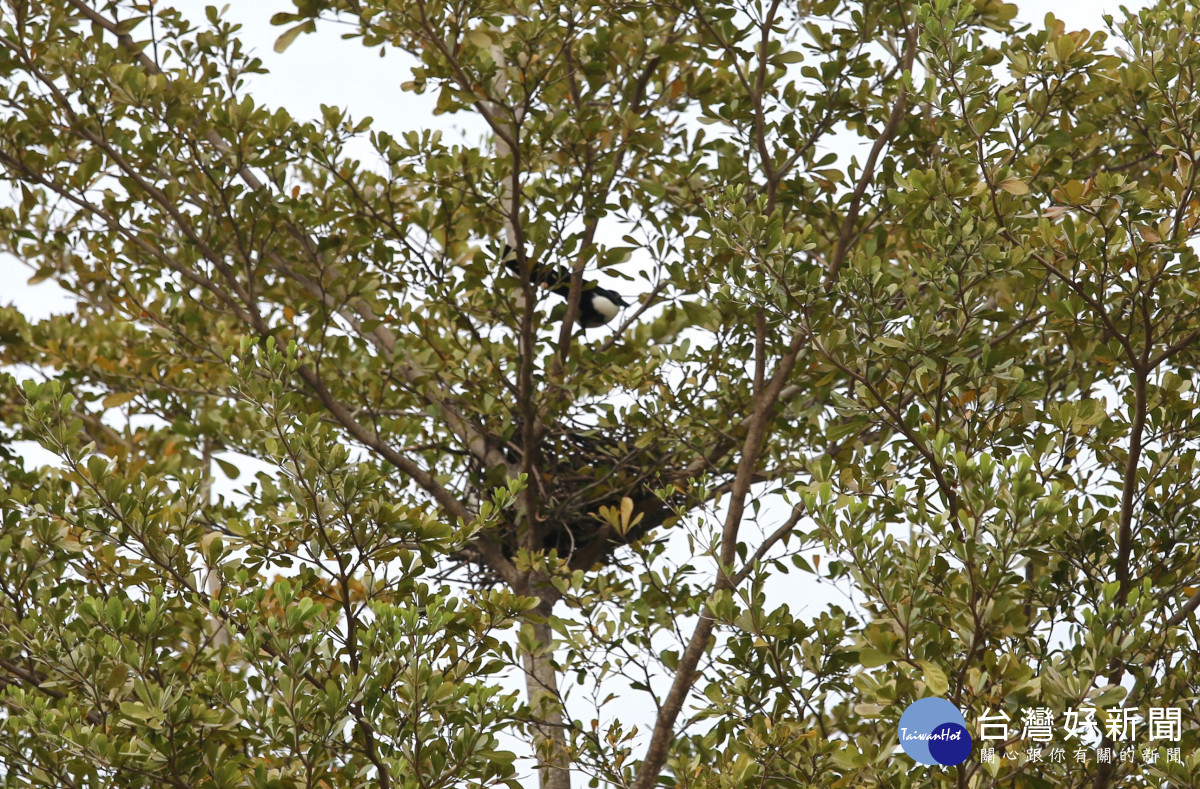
(550,733)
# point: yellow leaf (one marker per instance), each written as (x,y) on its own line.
(479,38)
(118,399)
(935,679)
(1014,186)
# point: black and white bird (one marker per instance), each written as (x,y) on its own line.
(597,305)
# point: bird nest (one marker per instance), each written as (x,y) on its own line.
(577,484)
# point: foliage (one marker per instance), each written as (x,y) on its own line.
(958,364)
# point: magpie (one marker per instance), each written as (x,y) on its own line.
(597,305)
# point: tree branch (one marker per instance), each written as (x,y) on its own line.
(846,233)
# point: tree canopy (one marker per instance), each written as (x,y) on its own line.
(466,538)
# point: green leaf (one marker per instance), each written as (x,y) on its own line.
(229,469)
(285,40)
(117,399)
(127,25)
(873,658)
(935,679)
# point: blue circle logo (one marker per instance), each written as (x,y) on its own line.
(933,731)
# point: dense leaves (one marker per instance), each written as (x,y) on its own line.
(330,482)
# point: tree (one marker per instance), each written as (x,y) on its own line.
(959,364)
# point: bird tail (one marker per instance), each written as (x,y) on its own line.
(555,280)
